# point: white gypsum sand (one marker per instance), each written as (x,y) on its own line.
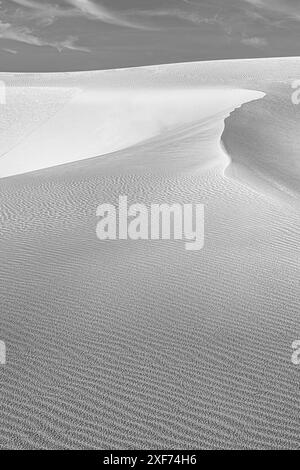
(140,344)
(94,121)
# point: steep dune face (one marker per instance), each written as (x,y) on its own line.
(95,122)
(262,139)
(140,344)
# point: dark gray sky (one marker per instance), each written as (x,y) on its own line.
(42,35)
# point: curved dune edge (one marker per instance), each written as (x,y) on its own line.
(96,123)
(253,178)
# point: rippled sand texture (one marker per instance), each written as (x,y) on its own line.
(138,344)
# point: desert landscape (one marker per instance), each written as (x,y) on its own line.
(124,344)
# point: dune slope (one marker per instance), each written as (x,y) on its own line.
(94,122)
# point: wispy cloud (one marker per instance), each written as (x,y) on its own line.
(16,25)
(99,12)
(9,51)
(286,8)
(24,22)
(255,42)
(25,35)
(79,8)
(35,10)
(190,16)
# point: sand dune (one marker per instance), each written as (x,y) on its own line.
(95,122)
(139,344)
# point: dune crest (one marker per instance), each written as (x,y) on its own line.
(95,122)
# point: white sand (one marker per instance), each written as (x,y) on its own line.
(141,344)
(95,122)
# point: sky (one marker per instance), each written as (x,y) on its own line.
(66,35)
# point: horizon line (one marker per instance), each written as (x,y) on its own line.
(148,66)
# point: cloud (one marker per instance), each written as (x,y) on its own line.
(23,24)
(257,3)
(17,25)
(286,8)
(85,8)
(25,35)
(29,4)
(9,51)
(255,42)
(191,16)
(97,11)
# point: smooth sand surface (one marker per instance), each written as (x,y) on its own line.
(140,344)
(96,121)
